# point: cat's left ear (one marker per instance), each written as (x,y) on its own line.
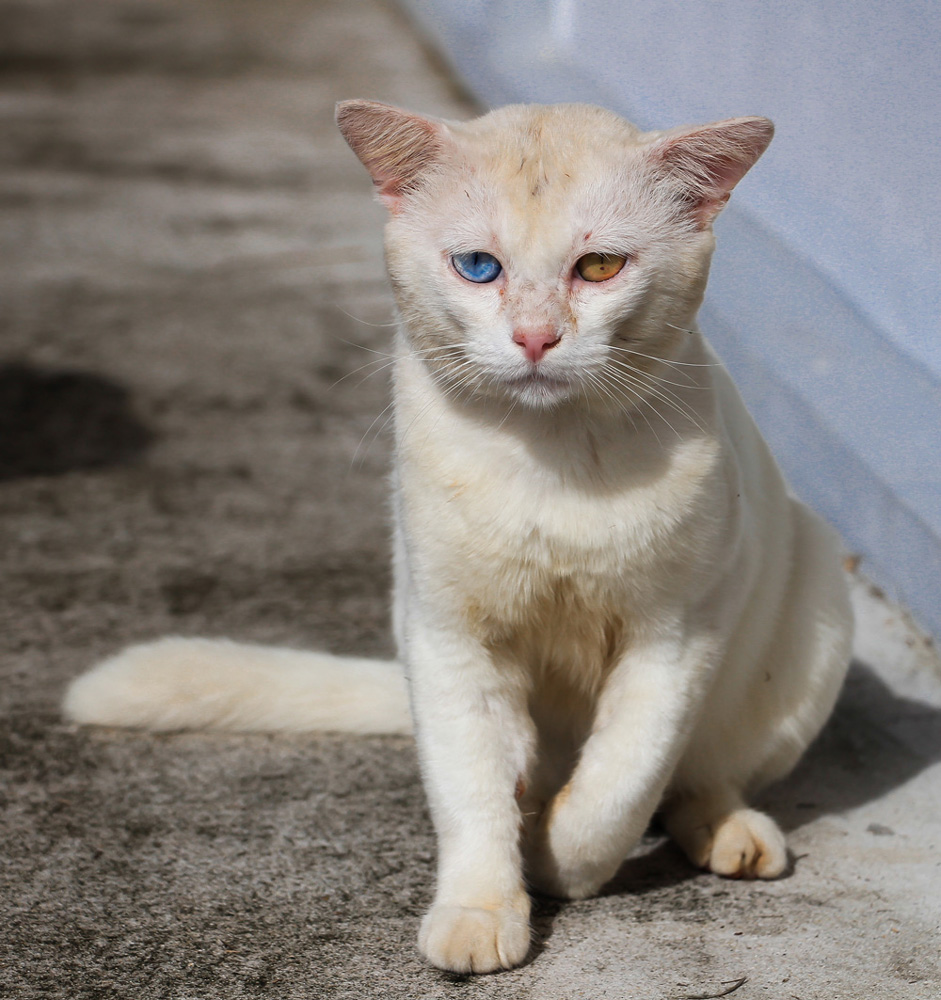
(395,146)
(710,160)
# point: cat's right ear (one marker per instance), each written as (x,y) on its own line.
(395,146)
(709,160)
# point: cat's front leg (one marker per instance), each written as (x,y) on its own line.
(475,740)
(641,724)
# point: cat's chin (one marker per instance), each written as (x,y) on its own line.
(539,390)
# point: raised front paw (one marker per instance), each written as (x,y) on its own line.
(476,938)
(551,876)
(561,862)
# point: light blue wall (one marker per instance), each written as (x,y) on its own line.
(826,290)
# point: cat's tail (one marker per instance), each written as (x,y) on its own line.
(177,683)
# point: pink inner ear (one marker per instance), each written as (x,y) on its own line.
(712,159)
(396,147)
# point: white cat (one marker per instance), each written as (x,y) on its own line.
(606,600)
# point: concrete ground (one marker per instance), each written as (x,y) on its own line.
(192,440)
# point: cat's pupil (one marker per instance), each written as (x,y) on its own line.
(477,266)
(599,266)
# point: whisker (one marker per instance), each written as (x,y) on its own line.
(376,371)
(631,378)
(642,401)
(412,353)
(360,347)
(678,402)
(633,386)
(668,361)
(506,416)
(682,329)
(383,364)
(377,326)
(446,388)
(658,385)
(599,383)
(384,360)
(690,384)
(375,420)
(650,385)
(596,379)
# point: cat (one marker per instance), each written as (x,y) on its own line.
(607,603)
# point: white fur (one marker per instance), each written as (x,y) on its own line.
(606,599)
(177,683)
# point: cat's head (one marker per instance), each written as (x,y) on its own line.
(546,253)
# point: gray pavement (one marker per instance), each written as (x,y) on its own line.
(192,284)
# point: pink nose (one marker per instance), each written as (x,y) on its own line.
(535,341)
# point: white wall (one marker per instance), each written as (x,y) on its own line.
(826,291)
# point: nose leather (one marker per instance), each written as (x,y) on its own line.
(535,341)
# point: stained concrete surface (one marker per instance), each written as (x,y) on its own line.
(193,440)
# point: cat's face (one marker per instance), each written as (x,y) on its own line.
(544,254)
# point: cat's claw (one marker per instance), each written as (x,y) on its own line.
(475,938)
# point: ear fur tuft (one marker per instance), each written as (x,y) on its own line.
(395,146)
(711,159)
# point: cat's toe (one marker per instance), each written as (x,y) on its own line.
(474,938)
(748,844)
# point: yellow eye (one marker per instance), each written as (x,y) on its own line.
(599,266)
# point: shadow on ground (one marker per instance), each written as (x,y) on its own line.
(54,421)
(875,742)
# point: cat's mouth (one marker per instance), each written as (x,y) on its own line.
(537,377)
(538,386)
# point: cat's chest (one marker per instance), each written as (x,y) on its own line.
(511,535)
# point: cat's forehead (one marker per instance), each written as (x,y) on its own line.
(551,126)
(539,177)
(534,147)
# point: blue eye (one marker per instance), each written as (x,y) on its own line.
(477,266)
